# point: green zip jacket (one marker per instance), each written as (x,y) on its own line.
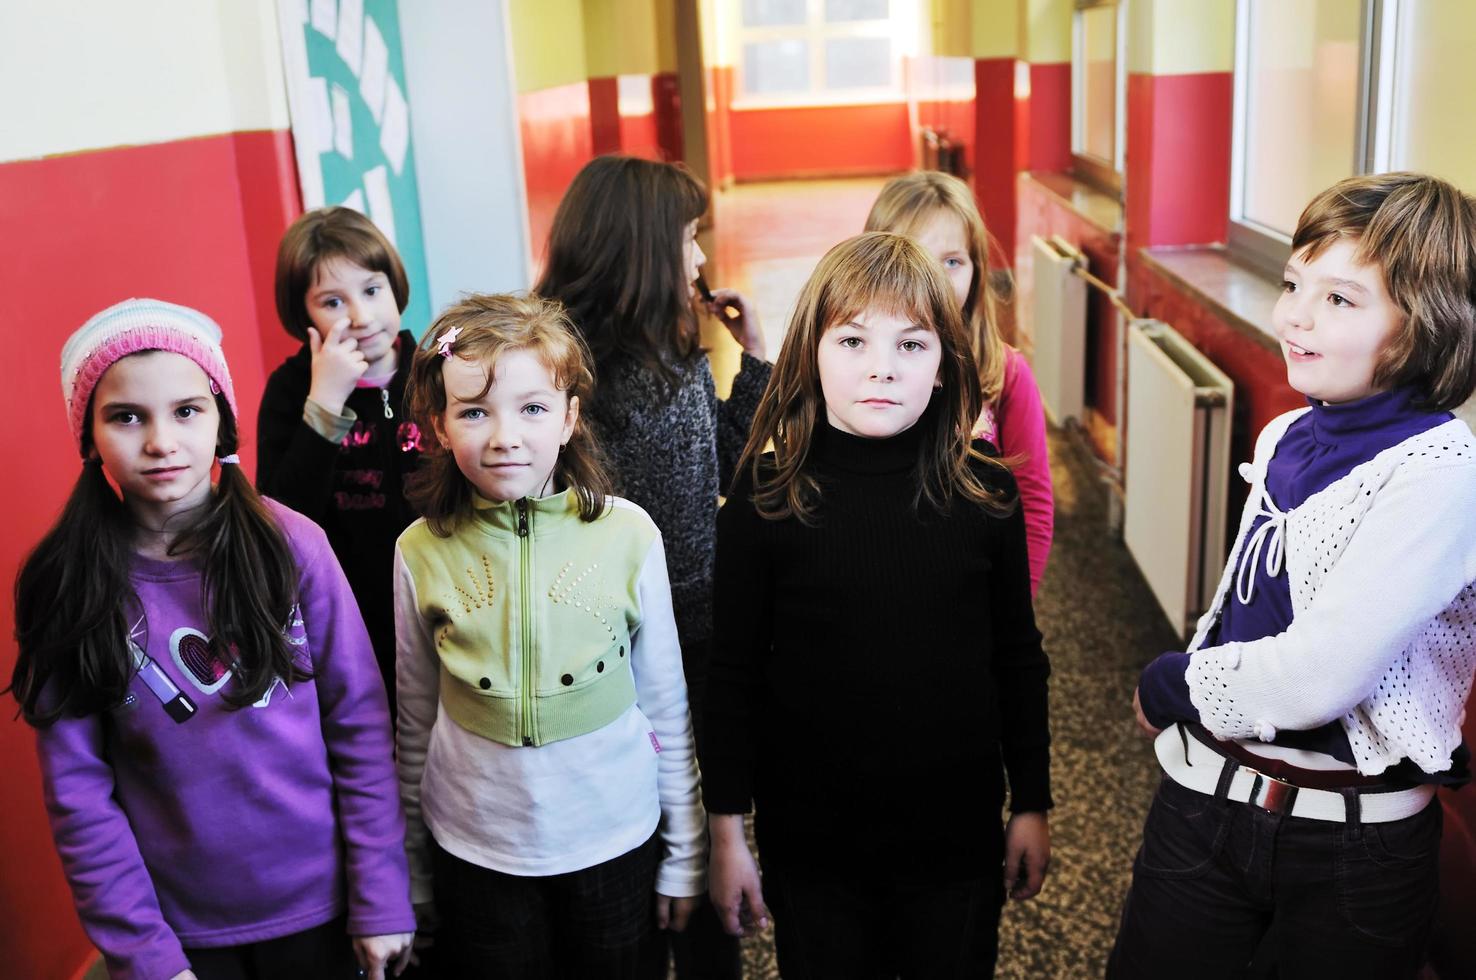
(532,611)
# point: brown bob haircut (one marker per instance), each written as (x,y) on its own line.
(877,270)
(490,326)
(1421,232)
(330,233)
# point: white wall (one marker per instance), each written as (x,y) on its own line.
(469,163)
(89,74)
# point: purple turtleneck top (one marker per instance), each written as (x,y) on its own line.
(1318,449)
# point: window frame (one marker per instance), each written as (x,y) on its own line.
(1267,249)
(900,27)
(1104,175)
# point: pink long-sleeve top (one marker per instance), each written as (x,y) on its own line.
(1015,423)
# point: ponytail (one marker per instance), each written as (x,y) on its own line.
(74,598)
(70,601)
(250,581)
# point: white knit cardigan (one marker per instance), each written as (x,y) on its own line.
(1381,565)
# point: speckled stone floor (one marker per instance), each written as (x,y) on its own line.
(1100,622)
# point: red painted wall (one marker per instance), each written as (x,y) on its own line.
(557,136)
(817,141)
(1178,170)
(193,222)
(1050,116)
(1000,142)
(666,96)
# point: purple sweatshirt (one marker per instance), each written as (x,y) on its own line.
(1015,424)
(231,826)
(1318,449)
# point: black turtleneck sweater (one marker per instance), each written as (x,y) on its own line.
(871,673)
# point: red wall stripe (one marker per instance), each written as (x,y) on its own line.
(1050,116)
(557,141)
(666,96)
(182,221)
(999,141)
(1178,170)
(812,141)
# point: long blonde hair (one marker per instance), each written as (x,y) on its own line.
(905,206)
(876,270)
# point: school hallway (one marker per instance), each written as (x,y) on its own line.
(1101,623)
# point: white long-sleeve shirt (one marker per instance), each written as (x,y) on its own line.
(568,804)
(1381,565)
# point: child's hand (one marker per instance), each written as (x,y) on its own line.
(672,913)
(742,321)
(733,878)
(375,953)
(186,975)
(1027,854)
(1144,725)
(337,365)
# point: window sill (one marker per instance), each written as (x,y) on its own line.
(1103,211)
(1240,296)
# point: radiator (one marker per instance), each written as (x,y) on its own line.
(1060,327)
(1177,469)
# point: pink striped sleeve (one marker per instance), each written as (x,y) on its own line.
(1020,418)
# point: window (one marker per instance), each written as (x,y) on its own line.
(808,52)
(1329,88)
(1097,92)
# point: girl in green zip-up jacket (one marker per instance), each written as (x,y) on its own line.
(545,746)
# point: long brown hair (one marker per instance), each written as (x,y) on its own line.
(73,596)
(1421,232)
(905,206)
(615,260)
(876,270)
(489,326)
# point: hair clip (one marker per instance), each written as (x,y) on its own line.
(214,388)
(446,340)
(231,460)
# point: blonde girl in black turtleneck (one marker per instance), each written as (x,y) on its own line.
(877,673)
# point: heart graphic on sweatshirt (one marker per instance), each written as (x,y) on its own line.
(190,650)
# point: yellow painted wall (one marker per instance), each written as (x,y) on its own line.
(1181,37)
(89,74)
(666,40)
(620,38)
(998,27)
(1433,85)
(547,43)
(951,28)
(1048,31)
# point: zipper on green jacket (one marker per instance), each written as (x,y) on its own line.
(525,557)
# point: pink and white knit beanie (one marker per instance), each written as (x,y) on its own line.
(129,327)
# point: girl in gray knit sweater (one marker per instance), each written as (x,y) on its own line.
(623,259)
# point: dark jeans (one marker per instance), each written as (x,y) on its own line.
(827,927)
(1224,889)
(703,951)
(320,953)
(584,925)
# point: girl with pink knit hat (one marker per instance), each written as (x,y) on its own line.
(213,734)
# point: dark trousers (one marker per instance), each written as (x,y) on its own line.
(323,952)
(592,924)
(703,951)
(827,927)
(1224,890)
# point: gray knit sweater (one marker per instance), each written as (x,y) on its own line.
(672,452)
